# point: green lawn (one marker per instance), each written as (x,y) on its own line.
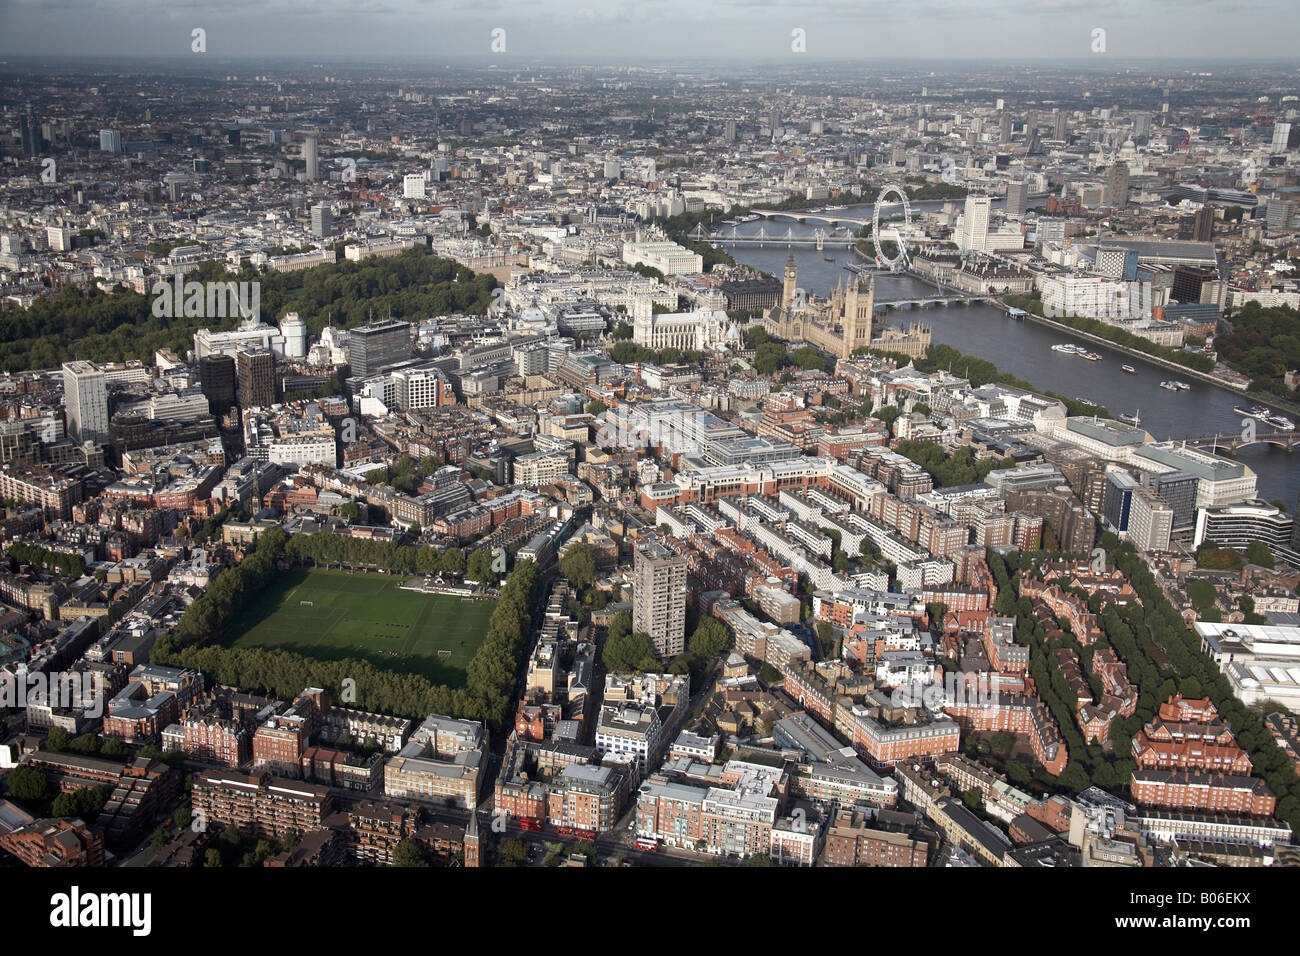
(365,616)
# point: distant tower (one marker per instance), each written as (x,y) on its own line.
(859,311)
(310,156)
(1117,185)
(787,290)
(31,134)
(472,848)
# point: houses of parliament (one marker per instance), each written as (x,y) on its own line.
(841,324)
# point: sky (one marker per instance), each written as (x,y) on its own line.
(862,30)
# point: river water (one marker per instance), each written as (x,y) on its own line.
(1024,349)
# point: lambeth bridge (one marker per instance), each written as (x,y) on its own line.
(1234,440)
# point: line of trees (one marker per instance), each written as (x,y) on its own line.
(492,670)
(627,353)
(1113,333)
(324,547)
(69,565)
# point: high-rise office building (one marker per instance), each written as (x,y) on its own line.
(413,186)
(30,132)
(322,221)
(217,381)
(1187,282)
(1203,224)
(255,372)
(310,157)
(1151,521)
(659,599)
(374,347)
(1117,186)
(1062,126)
(1004,128)
(1116,263)
(729,131)
(1120,486)
(110,141)
(975,224)
(1017,198)
(85,399)
(1178,490)
(1281,137)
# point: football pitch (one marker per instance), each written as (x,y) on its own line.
(331,615)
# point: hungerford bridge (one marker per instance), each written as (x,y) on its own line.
(786,240)
(831,220)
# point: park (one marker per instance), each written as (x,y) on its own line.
(330,615)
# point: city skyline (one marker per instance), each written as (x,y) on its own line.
(678,435)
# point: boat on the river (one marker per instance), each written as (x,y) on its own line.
(1134,419)
(1257,412)
(1128,368)
(1169,386)
(1090,356)
(1280,422)
(1068,348)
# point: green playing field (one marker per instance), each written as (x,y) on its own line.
(335,614)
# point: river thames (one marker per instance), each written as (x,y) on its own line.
(1025,350)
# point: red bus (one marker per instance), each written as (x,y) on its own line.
(529,823)
(564,831)
(648,844)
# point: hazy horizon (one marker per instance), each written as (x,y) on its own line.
(624,30)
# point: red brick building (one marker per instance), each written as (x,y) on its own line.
(1219,793)
(850,842)
(1188,735)
(55,842)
